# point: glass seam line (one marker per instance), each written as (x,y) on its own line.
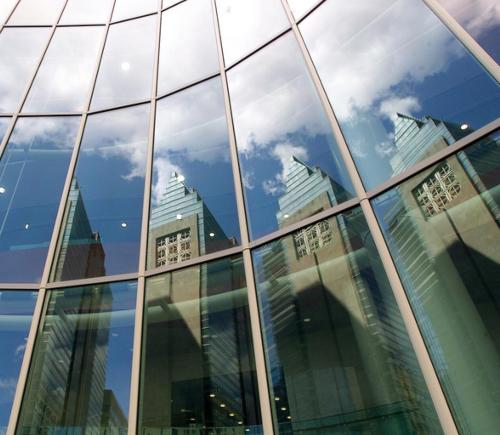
(260,362)
(463,36)
(134,401)
(430,376)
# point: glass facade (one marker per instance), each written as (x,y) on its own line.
(262,217)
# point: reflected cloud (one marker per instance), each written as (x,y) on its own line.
(20,349)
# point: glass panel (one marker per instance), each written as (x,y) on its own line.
(32,173)
(339,358)
(20,50)
(193,205)
(393,71)
(102,225)
(82,361)
(16,313)
(37,12)
(187,50)
(86,12)
(442,228)
(300,7)
(4,125)
(246,24)
(481,18)
(6,7)
(133,8)
(62,82)
(198,370)
(167,3)
(285,143)
(126,71)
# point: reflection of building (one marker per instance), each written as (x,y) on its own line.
(68,389)
(81,254)
(336,332)
(113,420)
(182,227)
(444,224)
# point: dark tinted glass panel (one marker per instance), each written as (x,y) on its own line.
(126,70)
(198,371)
(442,228)
(187,50)
(285,143)
(339,358)
(16,312)
(20,50)
(193,205)
(481,18)
(398,81)
(37,12)
(86,12)
(102,224)
(83,360)
(133,8)
(32,173)
(246,24)
(6,7)
(62,82)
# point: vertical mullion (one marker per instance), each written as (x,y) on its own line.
(260,362)
(463,36)
(134,405)
(429,373)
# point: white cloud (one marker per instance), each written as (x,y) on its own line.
(20,349)
(393,105)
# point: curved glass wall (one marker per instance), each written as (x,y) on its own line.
(271,217)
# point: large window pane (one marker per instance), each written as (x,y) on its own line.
(193,205)
(62,82)
(81,368)
(86,12)
(4,125)
(198,369)
(391,67)
(6,7)
(102,224)
(246,24)
(133,8)
(300,7)
(126,71)
(442,228)
(32,173)
(481,18)
(285,143)
(37,12)
(20,50)
(339,358)
(187,50)
(16,313)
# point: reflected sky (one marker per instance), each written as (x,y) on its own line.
(300,7)
(133,8)
(191,140)
(6,7)
(245,24)
(20,50)
(188,50)
(481,18)
(393,57)
(32,173)
(86,12)
(37,12)
(16,312)
(62,82)
(109,189)
(4,124)
(126,71)
(277,116)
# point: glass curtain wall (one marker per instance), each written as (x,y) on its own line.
(267,217)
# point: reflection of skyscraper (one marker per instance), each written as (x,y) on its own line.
(68,386)
(81,254)
(443,224)
(335,333)
(182,227)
